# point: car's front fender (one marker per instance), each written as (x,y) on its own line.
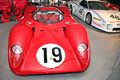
(19,35)
(77,35)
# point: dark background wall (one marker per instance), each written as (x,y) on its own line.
(116,2)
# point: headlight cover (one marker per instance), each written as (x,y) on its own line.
(82,47)
(17,49)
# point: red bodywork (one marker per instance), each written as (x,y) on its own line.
(31,35)
(112,6)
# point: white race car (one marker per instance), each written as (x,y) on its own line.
(97,14)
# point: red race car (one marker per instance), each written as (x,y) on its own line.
(48,40)
(112,6)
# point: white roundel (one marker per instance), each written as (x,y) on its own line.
(50,55)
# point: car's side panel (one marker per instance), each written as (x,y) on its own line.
(98,21)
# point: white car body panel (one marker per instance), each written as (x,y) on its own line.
(100,18)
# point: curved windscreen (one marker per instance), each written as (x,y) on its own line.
(48,16)
(97,5)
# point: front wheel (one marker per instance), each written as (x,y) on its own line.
(88,19)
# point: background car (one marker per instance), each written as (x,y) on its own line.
(97,14)
(48,40)
(112,6)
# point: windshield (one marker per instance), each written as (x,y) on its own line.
(97,5)
(48,16)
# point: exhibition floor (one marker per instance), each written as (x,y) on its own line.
(105,57)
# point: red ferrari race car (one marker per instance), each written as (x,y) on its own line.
(112,6)
(48,40)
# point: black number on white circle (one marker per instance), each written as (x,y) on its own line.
(57,55)
(45,54)
(81,11)
(54,50)
(115,17)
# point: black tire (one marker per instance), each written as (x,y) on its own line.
(88,19)
(71,9)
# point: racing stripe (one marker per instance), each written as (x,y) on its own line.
(99,17)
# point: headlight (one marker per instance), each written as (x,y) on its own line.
(109,26)
(82,47)
(118,25)
(17,49)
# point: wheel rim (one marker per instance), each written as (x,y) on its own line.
(88,19)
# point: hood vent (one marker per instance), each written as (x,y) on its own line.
(33,28)
(64,28)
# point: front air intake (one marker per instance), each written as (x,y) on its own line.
(116,29)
